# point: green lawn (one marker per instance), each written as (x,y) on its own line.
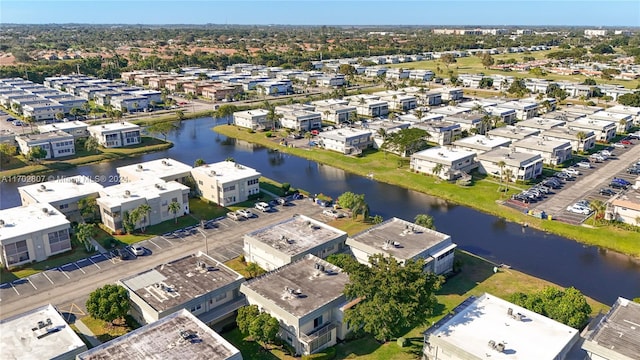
(105,331)
(483,195)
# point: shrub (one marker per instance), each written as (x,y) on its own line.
(326,354)
(268,134)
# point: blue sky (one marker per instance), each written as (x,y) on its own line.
(327,12)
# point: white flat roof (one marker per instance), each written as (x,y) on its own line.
(486,319)
(147,189)
(20,341)
(61,189)
(119,126)
(482,141)
(226,171)
(22,220)
(541,143)
(444,154)
(156,169)
(62,126)
(343,134)
(590,123)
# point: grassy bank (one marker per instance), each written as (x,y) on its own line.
(19,165)
(483,195)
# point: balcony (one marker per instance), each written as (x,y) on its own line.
(319,338)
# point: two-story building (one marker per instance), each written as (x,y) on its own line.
(226,183)
(164,169)
(401,102)
(481,143)
(307,297)
(198,283)
(405,241)
(77,129)
(441,132)
(553,151)
(299,118)
(580,140)
(523,166)
(524,110)
(126,197)
(116,134)
(514,133)
(453,163)
(451,94)
(371,108)
(348,141)
(335,111)
(291,239)
(605,130)
(541,124)
(57,144)
(253,119)
(32,233)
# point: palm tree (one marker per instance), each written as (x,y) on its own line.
(143,210)
(501,164)
(84,234)
(174,207)
(425,220)
(382,133)
(418,113)
(199,162)
(30,120)
(437,170)
(598,208)
(508,174)
(581,135)
(135,106)
(88,208)
(75,112)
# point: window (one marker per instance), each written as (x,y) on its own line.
(317,321)
(200,182)
(196,308)
(59,241)
(253,182)
(63,206)
(17,252)
(221,297)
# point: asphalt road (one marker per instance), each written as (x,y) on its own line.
(68,287)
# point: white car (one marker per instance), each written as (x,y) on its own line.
(571,171)
(618,145)
(137,250)
(606,153)
(245,213)
(584,164)
(332,213)
(577,209)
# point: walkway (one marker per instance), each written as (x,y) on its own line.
(87,334)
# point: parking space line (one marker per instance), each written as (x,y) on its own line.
(165,239)
(79,268)
(45,275)
(63,272)
(29,280)
(14,288)
(151,241)
(94,263)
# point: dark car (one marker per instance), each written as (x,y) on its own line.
(621,181)
(122,254)
(607,192)
(617,185)
(634,170)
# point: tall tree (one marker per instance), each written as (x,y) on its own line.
(88,208)
(84,233)
(246,315)
(394,296)
(406,141)
(174,207)
(487,60)
(198,162)
(425,220)
(567,306)
(143,210)
(108,303)
(91,144)
(163,128)
(36,154)
(7,151)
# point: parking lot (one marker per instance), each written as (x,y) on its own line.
(587,185)
(223,237)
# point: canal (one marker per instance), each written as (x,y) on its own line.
(598,273)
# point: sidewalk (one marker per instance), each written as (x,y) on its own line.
(98,247)
(84,330)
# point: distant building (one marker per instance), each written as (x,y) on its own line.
(62,194)
(596,32)
(491,328)
(307,298)
(116,134)
(454,162)
(253,119)
(513,132)
(165,169)
(226,183)
(289,240)
(41,333)
(198,283)
(348,141)
(32,233)
(405,241)
(126,197)
(56,144)
(175,337)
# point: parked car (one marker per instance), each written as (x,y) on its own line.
(137,250)
(122,254)
(234,216)
(332,213)
(621,181)
(578,209)
(282,201)
(596,158)
(635,135)
(18,123)
(571,171)
(607,192)
(245,213)
(583,164)
(626,142)
(618,145)
(606,153)
(617,185)
(633,170)
(263,206)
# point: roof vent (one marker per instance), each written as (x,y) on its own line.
(212,173)
(139,167)
(499,347)
(43,187)
(45,211)
(127,193)
(165,162)
(1,223)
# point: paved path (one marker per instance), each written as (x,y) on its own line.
(583,185)
(224,242)
(87,333)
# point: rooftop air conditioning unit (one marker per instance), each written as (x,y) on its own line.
(46,211)
(127,193)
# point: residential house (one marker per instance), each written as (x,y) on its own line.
(513,132)
(554,152)
(421,75)
(614,335)
(195,88)
(605,130)
(335,111)
(440,132)
(523,166)
(164,169)
(290,240)
(226,183)
(524,110)
(451,94)
(625,208)
(129,103)
(126,197)
(471,122)
(348,141)
(280,87)
(372,72)
(489,327)
(77,129)
(220,92)
(507,116)
(629,110)
(564,133)
(480,144)
(541,124)
(253,119)
(371,108)
(397,74)
(207,288)
(335,80)
(32,233)
(40,333)
(151,95)
(307,297)
(116,134)
(452,162)
(624,122)
(405,241)
(448,110)
(63,194)
(177,336)
(44,110)
(401,102)
(299,117)
(57,144)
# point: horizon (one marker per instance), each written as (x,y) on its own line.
(352,13)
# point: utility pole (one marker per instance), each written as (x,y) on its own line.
(206,239)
